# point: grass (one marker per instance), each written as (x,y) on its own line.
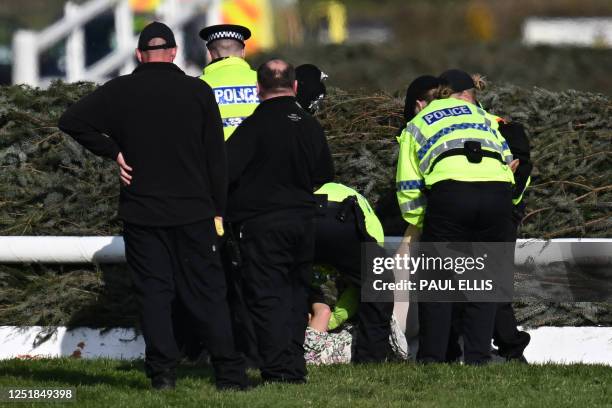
(112,383)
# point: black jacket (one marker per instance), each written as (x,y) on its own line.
(277,157)
(515,135)
(168,127)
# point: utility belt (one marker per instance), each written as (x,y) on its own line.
(235,231)
(348,210)
(473,152)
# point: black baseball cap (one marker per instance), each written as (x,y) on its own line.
(415,91)
(458,80)
(156,30)
(225,32)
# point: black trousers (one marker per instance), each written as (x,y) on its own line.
(181,264)
(277,251)
(339,244)
(242,323)
(463,212)
(510,341)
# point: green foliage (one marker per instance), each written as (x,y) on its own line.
(570,134)
(49,185)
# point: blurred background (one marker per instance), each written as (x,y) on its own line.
(375,45)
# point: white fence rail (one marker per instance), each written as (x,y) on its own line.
(29,45)
(111,249)
(584,32)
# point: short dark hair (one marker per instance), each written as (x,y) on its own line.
(275,75)
(225,46)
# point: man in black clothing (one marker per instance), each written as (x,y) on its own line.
(344,222)
(167,126)
(277,157)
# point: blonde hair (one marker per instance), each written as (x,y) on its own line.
(480,82)
(445,91)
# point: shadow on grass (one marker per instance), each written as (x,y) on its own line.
(74,377)
(189,370)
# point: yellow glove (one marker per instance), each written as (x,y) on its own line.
(219,226)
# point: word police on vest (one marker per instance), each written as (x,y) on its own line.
(236,95)
(435,116)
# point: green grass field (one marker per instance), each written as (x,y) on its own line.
(110,383)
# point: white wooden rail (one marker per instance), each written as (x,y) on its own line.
(580,31)
(28,45)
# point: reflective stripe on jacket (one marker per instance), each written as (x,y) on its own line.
(431,149)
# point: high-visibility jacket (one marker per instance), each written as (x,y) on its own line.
(234,84)
(432,149)
(338,193)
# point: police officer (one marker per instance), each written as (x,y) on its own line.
(454,182)
(276,158)
(510,341)
(234,84)
(343,223)
(229,75)
(173,168)
(418,95)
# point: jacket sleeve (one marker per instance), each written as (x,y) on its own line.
(409,181)
(241,148)
(324,168)
(214,150)
(518,143)
(88,122)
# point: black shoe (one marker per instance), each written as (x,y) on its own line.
(163,382)
(520,359)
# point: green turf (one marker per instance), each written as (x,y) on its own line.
(110,383)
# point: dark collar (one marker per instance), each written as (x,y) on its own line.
(279,100)
(157,66)
(217,60)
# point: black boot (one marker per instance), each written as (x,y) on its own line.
(164,381)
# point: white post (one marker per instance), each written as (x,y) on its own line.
(124,30)
(169,13)
(213,14)
(213,17)
(75,46)
(25,58)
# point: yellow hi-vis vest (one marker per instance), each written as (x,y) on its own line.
(430,149)
(338,192)
(234,84)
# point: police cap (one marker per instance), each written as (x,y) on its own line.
(458,80)
(416,91)
(225,32)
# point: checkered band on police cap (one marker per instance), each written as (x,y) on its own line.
(225,35)
(225,31)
